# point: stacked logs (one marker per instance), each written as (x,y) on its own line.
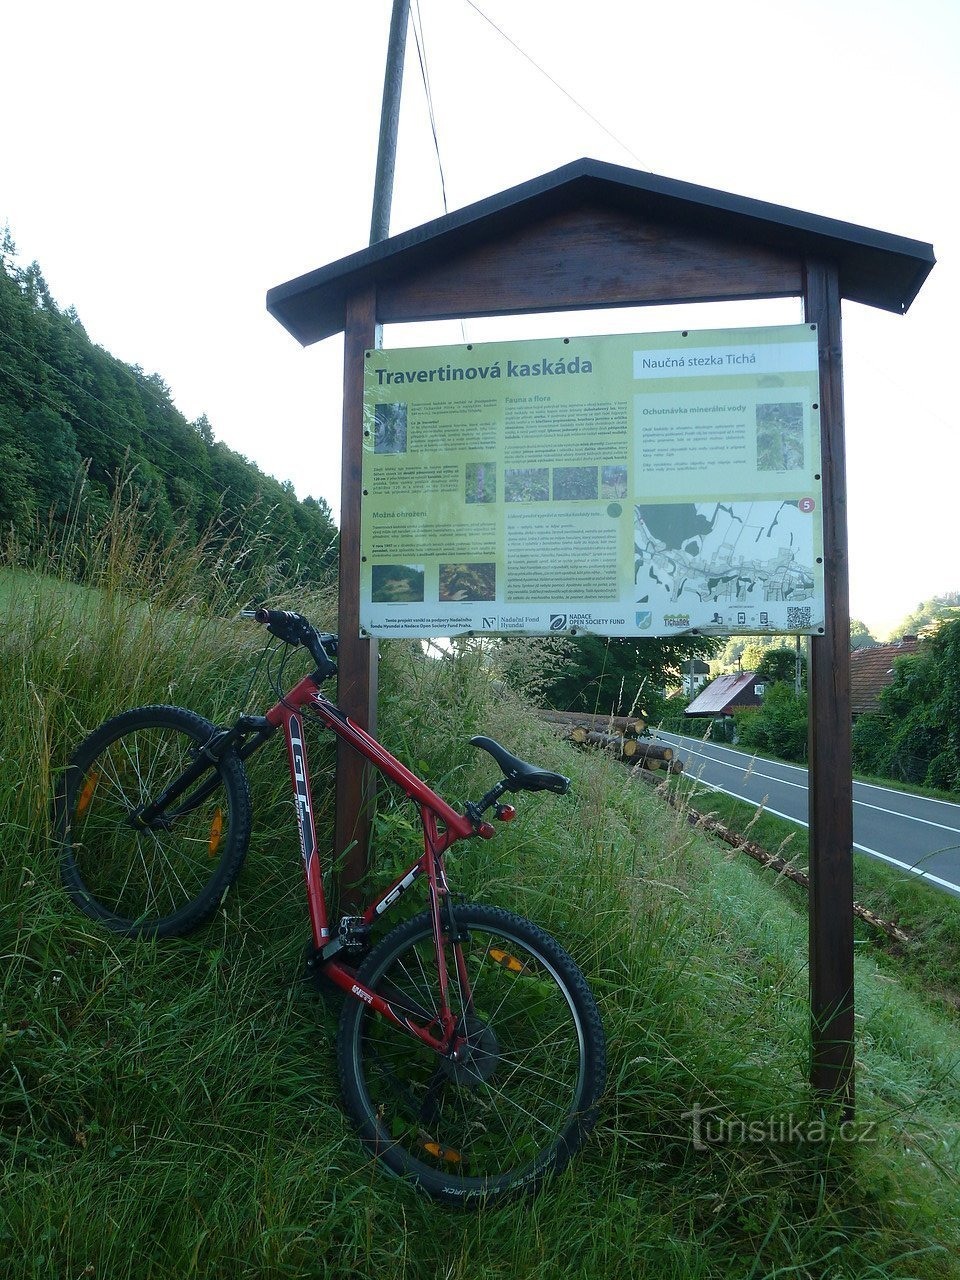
(626,726)
(621,736)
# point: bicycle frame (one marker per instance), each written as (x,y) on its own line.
(442,826)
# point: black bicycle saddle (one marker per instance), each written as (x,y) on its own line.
(520,775)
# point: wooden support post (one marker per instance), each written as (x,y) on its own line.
(357,660)
(829,744)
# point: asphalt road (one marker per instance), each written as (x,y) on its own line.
(918,835)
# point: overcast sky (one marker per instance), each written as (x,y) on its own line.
(168,164)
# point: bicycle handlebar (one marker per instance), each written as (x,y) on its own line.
(294,629)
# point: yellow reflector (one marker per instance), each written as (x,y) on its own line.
(216,831)
(506,961)
(86,795)
(442,1152)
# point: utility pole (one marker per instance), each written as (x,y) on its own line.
(389,122)
(357,682)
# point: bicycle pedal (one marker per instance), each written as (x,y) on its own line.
(353,934)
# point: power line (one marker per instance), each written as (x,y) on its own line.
(142,384)
(556,83)
(428,92)
(60,407)
(425,76)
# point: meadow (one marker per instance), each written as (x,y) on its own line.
(170,1109)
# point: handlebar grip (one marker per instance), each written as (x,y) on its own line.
(294,629)
(274,617)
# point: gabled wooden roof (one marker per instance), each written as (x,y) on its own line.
(874,267)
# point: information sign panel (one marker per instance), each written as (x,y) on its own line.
(638,484)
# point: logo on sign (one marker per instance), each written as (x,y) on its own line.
(558,622)
(644,619)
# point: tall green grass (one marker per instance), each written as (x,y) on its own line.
(170,1109)
(930,962)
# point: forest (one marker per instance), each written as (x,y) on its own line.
(76,423)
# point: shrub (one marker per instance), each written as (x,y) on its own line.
(872,745)
(779,727)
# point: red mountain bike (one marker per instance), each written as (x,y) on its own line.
(470,1049)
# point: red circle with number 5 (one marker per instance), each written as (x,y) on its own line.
(806,504)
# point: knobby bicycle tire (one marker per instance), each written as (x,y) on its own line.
(165,879)
(525,1097)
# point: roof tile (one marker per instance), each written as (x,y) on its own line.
(871,671)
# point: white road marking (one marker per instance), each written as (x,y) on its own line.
(909,816)
(745,769)
(771,777)
(874,853)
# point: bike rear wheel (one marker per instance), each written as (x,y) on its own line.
(166,877)
(523,1097)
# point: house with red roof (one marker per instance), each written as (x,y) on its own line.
(871,671)
(726,694)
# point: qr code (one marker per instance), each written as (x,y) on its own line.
(798,617)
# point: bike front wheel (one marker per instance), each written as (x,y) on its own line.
(523,1096)
(165,877)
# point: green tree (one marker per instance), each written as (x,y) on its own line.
(780,665)
(914,735)
(8,250)
(203,429)
(752,655)
(17,492)
(731,655)
(56,466)
(67,406)
(860,637)
(617,674)
(926,613)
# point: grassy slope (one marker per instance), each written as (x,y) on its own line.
(931,963)
(171,1109)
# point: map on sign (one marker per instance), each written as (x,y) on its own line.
(633,484)
(724,553)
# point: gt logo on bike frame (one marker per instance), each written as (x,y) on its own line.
(301,792)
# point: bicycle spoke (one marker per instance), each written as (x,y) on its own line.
(513,1103)
(425,988)
(141,873)
(111,773)
(518,1083)
(162,857)
(493,1017)
(555,1081)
